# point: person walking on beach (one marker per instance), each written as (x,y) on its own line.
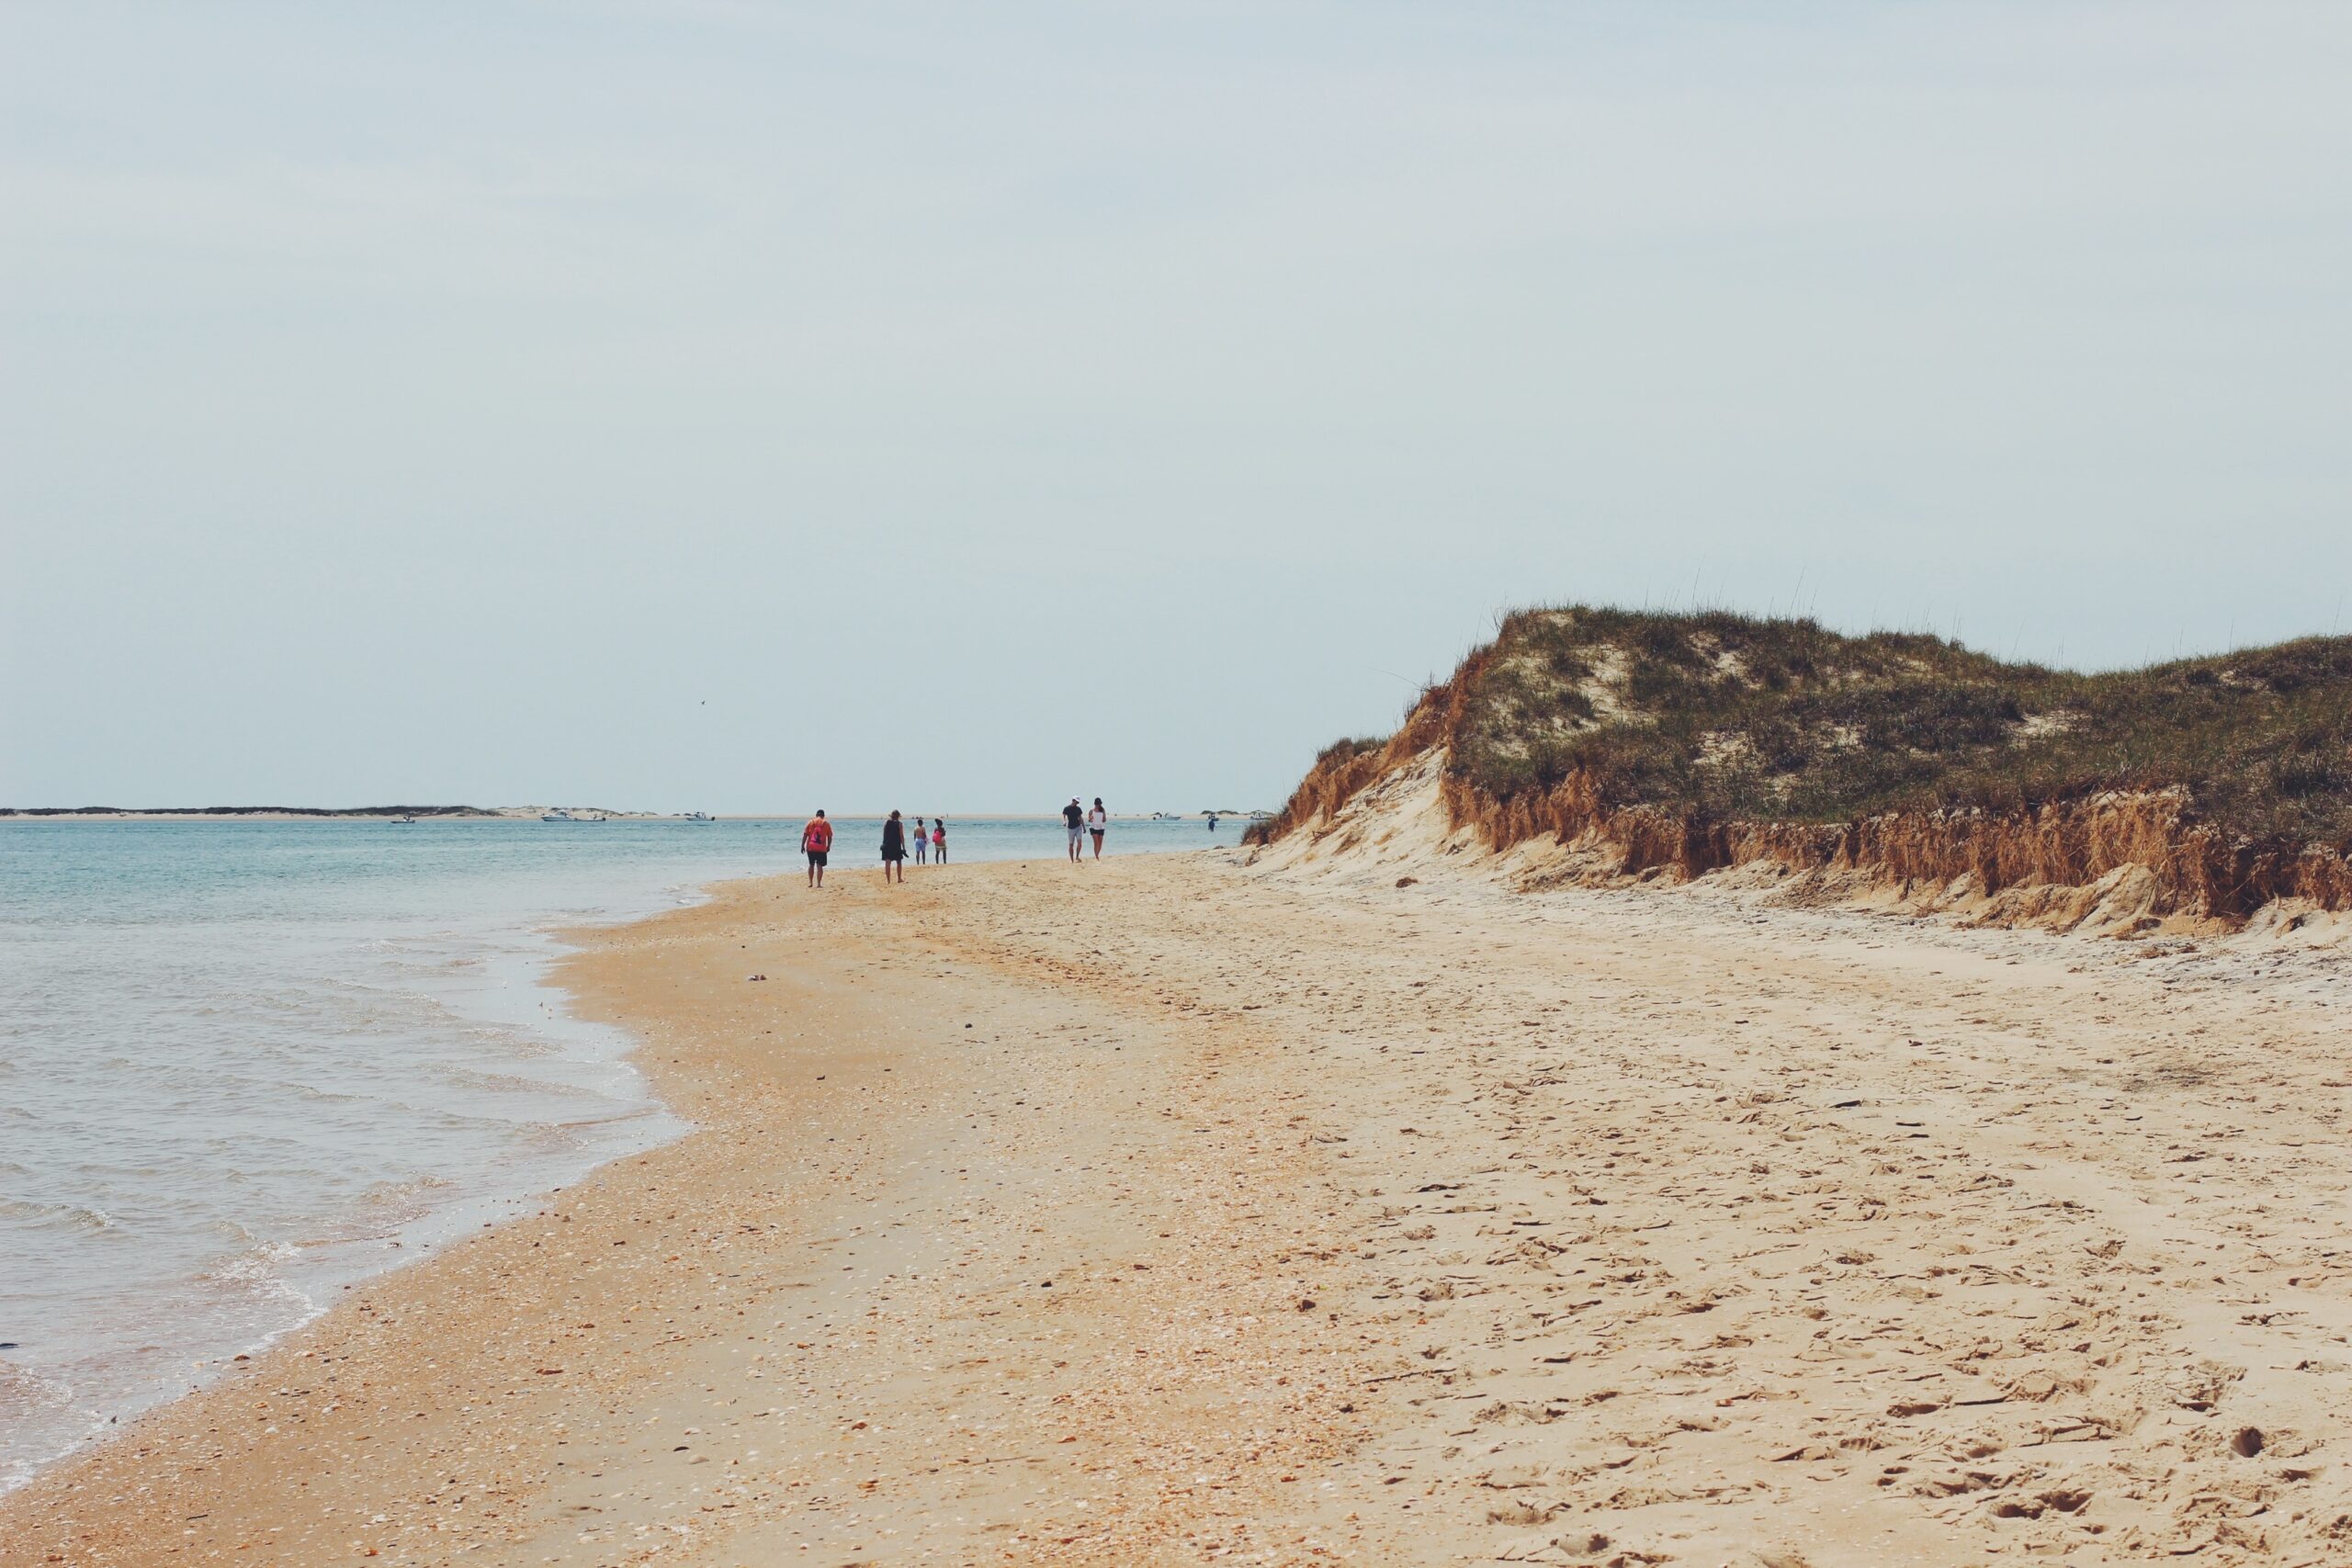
(922,842)
(1075,816)
(939,840)
(817,841)
(894,850)
(1098,822)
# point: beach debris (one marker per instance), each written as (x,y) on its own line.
(749,977)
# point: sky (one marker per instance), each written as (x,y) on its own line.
(741,407)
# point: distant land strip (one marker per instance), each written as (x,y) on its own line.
(247,811)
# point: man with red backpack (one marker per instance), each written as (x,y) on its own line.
(816,840)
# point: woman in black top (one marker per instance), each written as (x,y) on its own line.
(894,850)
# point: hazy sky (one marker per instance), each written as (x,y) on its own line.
(740,406)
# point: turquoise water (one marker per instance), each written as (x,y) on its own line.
(244,1065)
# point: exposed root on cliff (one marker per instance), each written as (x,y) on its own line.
(1403,825)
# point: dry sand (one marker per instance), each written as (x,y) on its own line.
(1169,1210)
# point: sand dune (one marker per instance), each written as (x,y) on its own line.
(1178,1209)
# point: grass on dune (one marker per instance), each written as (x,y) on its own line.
(1729,717)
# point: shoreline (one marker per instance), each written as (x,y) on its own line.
(185,1451)
(504,970)
(314,1264)
(1183,1210)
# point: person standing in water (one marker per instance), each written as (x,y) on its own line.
(894,850)
(1211,821)
(1098,822)
(1075,816)
(816,842)
(939,840)
(922,842)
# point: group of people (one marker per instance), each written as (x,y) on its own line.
(1082,821)
(903,839)
(900,837)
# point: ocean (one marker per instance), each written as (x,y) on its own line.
(246,1064)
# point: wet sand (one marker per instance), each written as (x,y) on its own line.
(1172,1211)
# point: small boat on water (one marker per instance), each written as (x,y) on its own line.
(407,820)
(558,815)
(700,817)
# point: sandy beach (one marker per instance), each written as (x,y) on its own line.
(1176,1210)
